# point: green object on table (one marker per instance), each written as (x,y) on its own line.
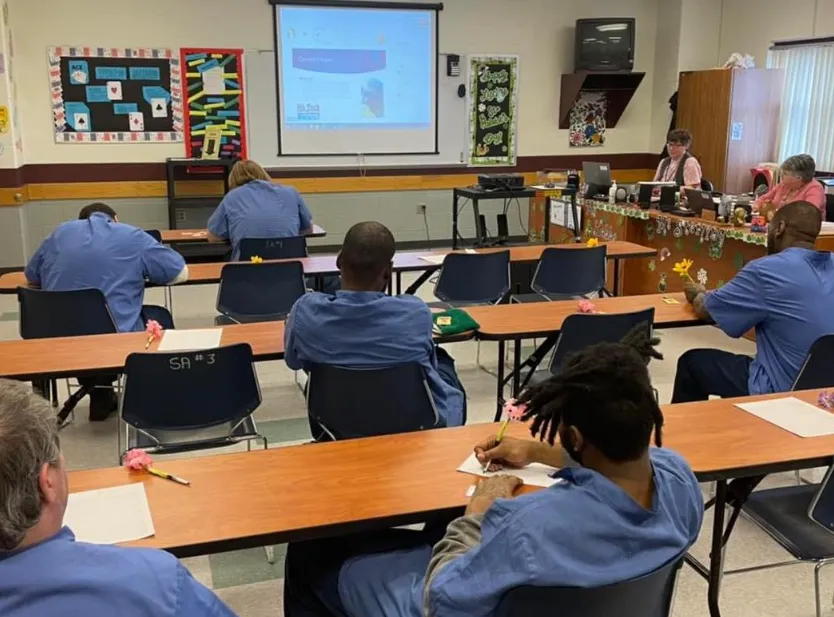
(453,321)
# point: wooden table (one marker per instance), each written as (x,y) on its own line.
(322,490)
(170,236)
(404,261)
(515,322)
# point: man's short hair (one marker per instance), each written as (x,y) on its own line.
(367,250)
(679,136)
(88,211)
(28,440)
(801,218)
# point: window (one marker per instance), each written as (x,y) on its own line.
(807,123)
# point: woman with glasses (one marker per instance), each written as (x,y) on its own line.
(679,167)
(796,183)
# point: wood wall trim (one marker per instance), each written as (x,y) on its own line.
(157,189)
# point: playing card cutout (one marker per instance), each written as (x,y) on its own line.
(114,90)
(137,121)
(79,72)
(81,122)
(159,108)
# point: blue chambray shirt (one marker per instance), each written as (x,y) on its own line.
(259,209)
(368,329)
(582,532)
(102,254)
(64,578)
(789,299)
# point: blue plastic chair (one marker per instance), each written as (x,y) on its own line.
(651,595)
(294,247)
(258,292)
(470,279)
(170,400)
(567,273)
(346,403)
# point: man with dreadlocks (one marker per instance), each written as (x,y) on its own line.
(621,509)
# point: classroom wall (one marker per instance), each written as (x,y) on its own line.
(750,26)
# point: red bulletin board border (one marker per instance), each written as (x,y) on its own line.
(191,77)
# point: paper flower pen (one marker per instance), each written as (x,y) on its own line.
(512,412)
(826,400)
(139,460)
(586,306)
(256,260)
(592,242)
(682,268)
(154,332)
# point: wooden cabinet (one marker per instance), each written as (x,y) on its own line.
(733,115)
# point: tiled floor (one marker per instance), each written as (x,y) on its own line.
(253,588)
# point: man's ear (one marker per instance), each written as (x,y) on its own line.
(339,260)
(577,438)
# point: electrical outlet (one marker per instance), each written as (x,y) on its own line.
(421,209)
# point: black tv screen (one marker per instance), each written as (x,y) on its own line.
(605,44)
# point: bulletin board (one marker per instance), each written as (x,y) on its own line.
(115,95)
(215,101)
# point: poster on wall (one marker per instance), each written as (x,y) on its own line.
(215,103)
(106,95)
(493,119)
(587,120)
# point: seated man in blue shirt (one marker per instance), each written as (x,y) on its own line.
(255,207)
(787,297)
(621,509)
(96,251)
(43,570)
(363,327)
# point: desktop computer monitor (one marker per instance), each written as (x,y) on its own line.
(597,178)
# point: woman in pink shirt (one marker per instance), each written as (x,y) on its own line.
(797,183)
(679,167)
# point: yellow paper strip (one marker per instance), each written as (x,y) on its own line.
(233,122)
(229,75)
(197,113)
(217,56)
(231,92)
(194,97)
(203,132)
(212,105)
(229,133)
(192,74)
(197,62)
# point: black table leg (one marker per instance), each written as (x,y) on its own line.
(716,558)
(616,290)
(499,398)
(424,276)
(454,220)
(399,283)
(516,366)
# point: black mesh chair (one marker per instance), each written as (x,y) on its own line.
(567,273)
(155,234)
(184,401)
(346,403)
(651,595)
(471,279)
(52,314)
(258,292)
(706,185)
(273,248)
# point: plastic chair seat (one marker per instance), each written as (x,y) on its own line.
(173,442)
(536,297)
(231,320)
(783,514)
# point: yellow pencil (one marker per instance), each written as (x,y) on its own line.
(167,476)
(498,439)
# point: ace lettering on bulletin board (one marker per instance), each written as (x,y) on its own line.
(115,95)
(214,102)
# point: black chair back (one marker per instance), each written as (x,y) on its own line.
(583,330)
(155,234)
(829,207)
(474,278)
(273,248)
(49,314)
(818,370)
(706,185)
(570,272)
(346,403)
(647,596)
(266,290)
(190,390)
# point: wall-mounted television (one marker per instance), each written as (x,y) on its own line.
(605,44)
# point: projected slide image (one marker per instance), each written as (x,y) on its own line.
(344,69)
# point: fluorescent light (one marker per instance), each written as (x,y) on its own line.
(591,40)
(612,27)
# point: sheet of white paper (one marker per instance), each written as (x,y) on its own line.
(190,340)
(213,82)
(437,260)
(534,475)
(793,415)
(110,515)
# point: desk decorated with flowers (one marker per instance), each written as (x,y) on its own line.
(717,251)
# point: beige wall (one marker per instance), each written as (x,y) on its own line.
(540,31)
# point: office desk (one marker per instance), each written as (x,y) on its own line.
(514,322)
(476,195)
(321,490)
(404,261)
(169,236)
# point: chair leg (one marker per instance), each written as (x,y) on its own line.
(266,443)
(817,601)
(270,554)
(798,477)
(481,366)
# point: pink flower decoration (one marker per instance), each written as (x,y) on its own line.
(513,410)
(137,460)
(664,253)
(826,400)
(153,329)
(586,306)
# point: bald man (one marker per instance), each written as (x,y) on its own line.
(788,297)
